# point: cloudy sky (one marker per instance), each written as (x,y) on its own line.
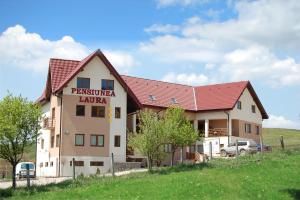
(193,42)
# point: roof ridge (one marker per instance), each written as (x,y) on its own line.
(65,59)
(216,84)
(158,81)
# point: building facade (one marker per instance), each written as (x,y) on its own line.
(89,110)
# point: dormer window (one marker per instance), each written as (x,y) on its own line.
(239,105)
(253,109)
(174,100)
(152,97)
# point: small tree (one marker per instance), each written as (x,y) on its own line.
(19,125)
(149,139)
(178,130)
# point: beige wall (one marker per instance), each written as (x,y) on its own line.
(251,135)
(86,125)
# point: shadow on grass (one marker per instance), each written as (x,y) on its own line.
(9,192)
(294,193)
(181,168)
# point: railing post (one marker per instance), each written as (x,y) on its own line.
(210,150)
(73,165)
(237,148)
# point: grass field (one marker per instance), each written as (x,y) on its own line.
(291,137)
(268,176)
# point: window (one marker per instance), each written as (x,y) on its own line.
(98,111)
(79,163)
(51,164)
(52,141)
(71,163)
(107,84)
(117,140)
(168,148)
(97,140)
(253,108)
(41,164)
(174,100)
(257,130)
(46,164)
(247,128)
(80,110)
(152,97)
(192,149)
(239,105)
(57,141)
(79,139)
(243,143)
(42,143)
(117,112)
(83,83)
(96,163)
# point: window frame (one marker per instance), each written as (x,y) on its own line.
(239,105)
(79,134)
(52,141)
(119,143)
(57,140)
(97,140)
(42,143)
(96,163)
(118,116)
(78,78)
(106,81)
(253,108)
(98,116)
(77,106)
(248,128)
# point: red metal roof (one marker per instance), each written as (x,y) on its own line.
(162,91)
(202,98)
(219,96)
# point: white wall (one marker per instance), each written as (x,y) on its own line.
(245,113)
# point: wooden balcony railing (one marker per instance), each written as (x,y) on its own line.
(215,132)
(49,123)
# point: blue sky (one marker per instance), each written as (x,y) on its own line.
(192,42)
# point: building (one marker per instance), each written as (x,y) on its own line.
(88,109)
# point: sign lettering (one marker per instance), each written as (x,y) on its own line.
(107,93)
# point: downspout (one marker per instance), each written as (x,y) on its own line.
(60,133)
(227,113)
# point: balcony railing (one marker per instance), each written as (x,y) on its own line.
(49,123)
(215,132)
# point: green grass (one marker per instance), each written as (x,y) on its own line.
(268,176)
(291,137)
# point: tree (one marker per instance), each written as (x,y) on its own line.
(178,130)
(19,125)
(150,139)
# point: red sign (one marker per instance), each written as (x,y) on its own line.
(92,100)
(107,93)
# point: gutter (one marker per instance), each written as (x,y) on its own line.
(227,113)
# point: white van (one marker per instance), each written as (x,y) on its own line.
(21,170)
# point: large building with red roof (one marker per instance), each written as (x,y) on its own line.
(89,109)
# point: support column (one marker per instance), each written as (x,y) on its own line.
(134,123)
(206,127)
(196,125)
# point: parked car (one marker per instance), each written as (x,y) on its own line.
(243,148)
(21,170)
(265,147)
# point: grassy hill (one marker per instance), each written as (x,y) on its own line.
(291,137)
(261,176)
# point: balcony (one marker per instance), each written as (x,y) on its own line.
(49,123)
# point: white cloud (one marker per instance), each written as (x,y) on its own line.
(30,51)
(280,122)
(245,47)
(159,28)
(187,79)
(257,62)
(122,61)
(165,3)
